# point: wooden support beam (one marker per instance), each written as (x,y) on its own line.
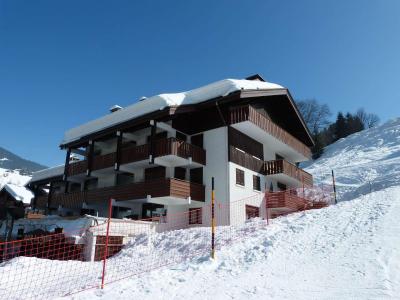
(66,171)
(49,197)
(118,153)
(152,144)
(90,158)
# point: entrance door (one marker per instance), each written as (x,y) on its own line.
(252,212)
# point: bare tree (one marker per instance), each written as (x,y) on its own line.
(315,115)
(368,119)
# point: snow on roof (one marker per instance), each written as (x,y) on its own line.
(159,102)
(20,193)
(48,173)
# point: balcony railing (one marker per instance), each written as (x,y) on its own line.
(286,199)
(284,167)
(163,187)
(247,113)
(269,167)
(162,147)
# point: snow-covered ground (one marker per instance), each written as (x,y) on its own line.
(347,251)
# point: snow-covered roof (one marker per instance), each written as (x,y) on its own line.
(48,173)
(20,193)
(159,102)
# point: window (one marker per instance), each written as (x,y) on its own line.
(194,216)
(239,177)
(256,183)
(197,140)
(125,178)
(278,157)
(154,173)
(181,136)
(196,175)
(281,186)
(252,212)
(180,173)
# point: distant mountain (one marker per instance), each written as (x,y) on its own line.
(9,160)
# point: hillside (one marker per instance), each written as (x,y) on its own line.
(11,161)
(363,162)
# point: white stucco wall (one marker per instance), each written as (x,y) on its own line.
(216,145)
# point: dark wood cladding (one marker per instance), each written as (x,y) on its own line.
(163,187)
(246,160)
(247,144)
(104,161)
(269,167)
(248,113)
(169,146)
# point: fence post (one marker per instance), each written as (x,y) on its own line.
(334,186)
(266,206)
(212,219)
(106,246)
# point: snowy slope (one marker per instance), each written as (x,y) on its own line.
(363,162)
(348,251)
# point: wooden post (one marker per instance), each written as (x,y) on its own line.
(66,169)
(212,219)
(118,153)
(90,158)
(334,186)
(152,142)
(106,246)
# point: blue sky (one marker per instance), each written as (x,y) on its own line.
(63,63)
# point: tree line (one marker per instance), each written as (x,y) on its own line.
(324,132)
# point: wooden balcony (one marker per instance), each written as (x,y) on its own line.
(272,167)
(281,166)
(287,200)
(247,113)
(164,187)
(162,147)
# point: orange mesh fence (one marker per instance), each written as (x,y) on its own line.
(62,263)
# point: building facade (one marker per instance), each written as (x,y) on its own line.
(157,157)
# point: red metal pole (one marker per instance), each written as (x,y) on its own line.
(106,247)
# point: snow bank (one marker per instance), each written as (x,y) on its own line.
(159,102)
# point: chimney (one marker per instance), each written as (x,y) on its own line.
(115,108)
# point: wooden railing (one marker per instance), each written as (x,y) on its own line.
(269,167)
(173,146)
(247,113)
(163,187)
(285,199)
(162,147)
(282,166)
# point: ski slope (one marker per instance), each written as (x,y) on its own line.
(347,251)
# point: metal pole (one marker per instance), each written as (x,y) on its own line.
(334,186)
(212,219)
(106,246)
